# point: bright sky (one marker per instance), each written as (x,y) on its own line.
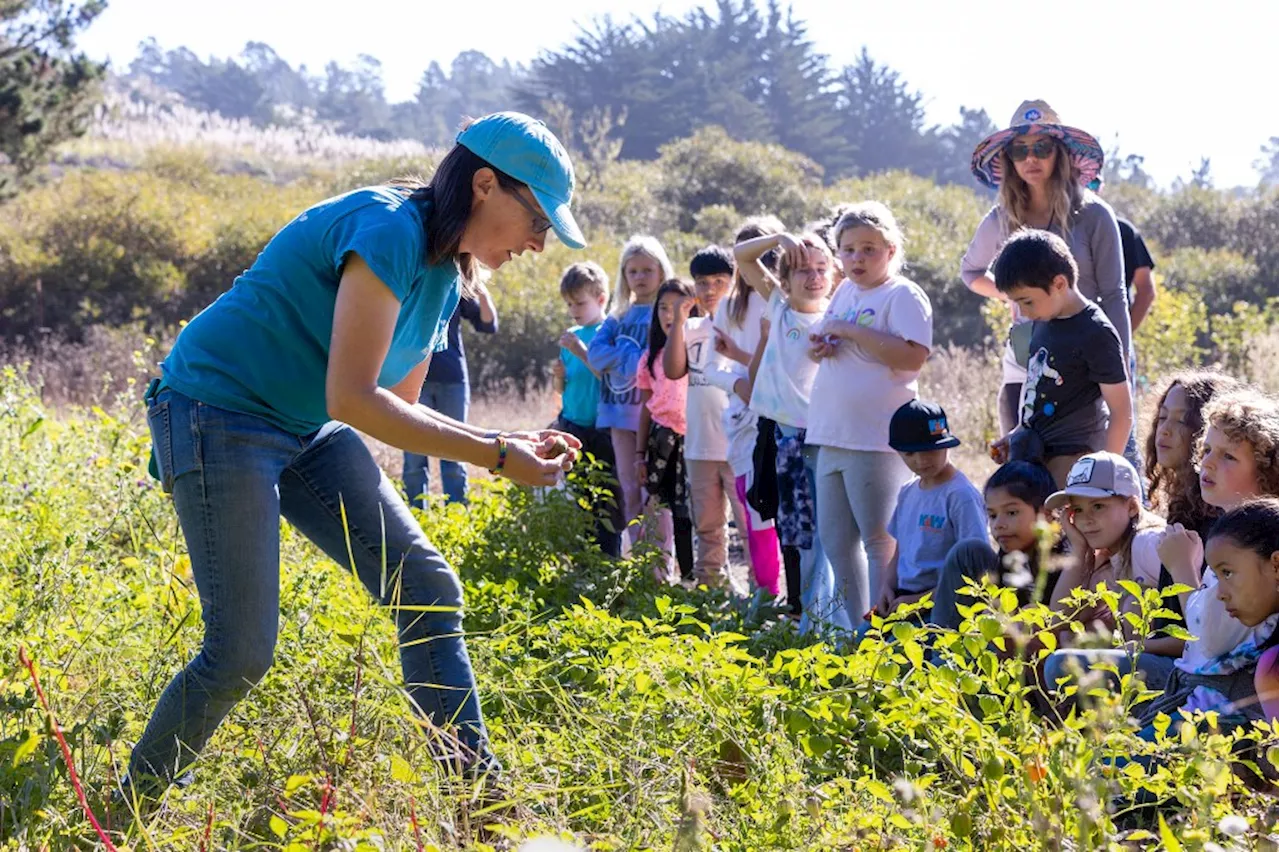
(1173,80)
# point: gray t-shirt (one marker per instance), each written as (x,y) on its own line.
(928,523)
(1095,244)
(1061,400)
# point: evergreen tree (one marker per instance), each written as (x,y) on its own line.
(47,90)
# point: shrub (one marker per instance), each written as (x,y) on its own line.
(710,168)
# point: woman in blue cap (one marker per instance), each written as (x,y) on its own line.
(255,417)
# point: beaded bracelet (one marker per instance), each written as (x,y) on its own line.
(502,457)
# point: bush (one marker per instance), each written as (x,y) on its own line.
(114,247)
(709,168)
(1172,336)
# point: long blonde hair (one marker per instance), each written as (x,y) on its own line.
(1066,196)
(637,245)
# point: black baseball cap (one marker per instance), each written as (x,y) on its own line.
(920,426)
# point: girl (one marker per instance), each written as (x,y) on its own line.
(614,353)
(1112,538)
(780,377)
(256,413)
(1238,463)
(737,335)
(1173,482)
(659,448)
(691,351)
(1041,168)
(1241,550)
(869,348)
(1015,496)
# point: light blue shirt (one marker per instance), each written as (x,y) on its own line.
(262,347)
(615,351)
(581,395)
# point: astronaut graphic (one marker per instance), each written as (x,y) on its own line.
(1037,368)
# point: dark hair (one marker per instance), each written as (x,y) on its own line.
(1032,258)
(1252,526)
(1175,492)
(587,275)
(445,201)
(743,293)
(658,337)
(712,260)
(1027,481)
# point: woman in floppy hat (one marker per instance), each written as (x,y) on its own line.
(1041,168)
(255,417)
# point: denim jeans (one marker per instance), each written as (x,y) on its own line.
(232,477)
(452,399)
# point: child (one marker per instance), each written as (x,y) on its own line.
(691,351)
(779,380)
(615,354)
(659,447)
(1238,464)
(934,511)
(1112,538)
(585,290)
(1077,372)
(869,348)
(1241,550)
(1172,441)
(736,326)
(1014,496)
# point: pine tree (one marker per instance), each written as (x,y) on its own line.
(47,90)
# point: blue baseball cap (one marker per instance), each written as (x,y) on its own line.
(526,149)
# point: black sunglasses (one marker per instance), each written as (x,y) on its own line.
(541,224)
(1042,149)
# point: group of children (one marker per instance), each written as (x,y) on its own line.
(781,383)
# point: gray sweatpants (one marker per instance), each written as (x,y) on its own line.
(857,490)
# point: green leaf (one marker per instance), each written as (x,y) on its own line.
(295,781)
(401,770)
(1170,842)
(879,789)
(914,653)
(278,826)
(26,747)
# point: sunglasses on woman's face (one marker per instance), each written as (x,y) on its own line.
(1042,149)
(541,224)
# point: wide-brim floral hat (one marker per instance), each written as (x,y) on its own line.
(1038,118)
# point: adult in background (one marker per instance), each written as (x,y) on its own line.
(1041,169)
(255,417)
(447,389)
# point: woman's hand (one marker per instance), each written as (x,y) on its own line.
(525,466)
(550,444)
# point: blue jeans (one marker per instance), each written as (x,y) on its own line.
(452,400)
(232,477)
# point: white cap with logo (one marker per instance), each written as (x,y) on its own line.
(1098,475)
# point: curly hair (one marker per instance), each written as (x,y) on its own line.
(1175,491)
(1250,416)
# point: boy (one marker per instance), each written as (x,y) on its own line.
(1076,399)
(585,290)
(935,510)
(691,350)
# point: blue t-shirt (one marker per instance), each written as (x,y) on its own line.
(262,347)
(581,394)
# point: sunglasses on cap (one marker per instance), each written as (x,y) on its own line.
(1043,149)
(541,224)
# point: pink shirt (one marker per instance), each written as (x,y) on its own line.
(667,404)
